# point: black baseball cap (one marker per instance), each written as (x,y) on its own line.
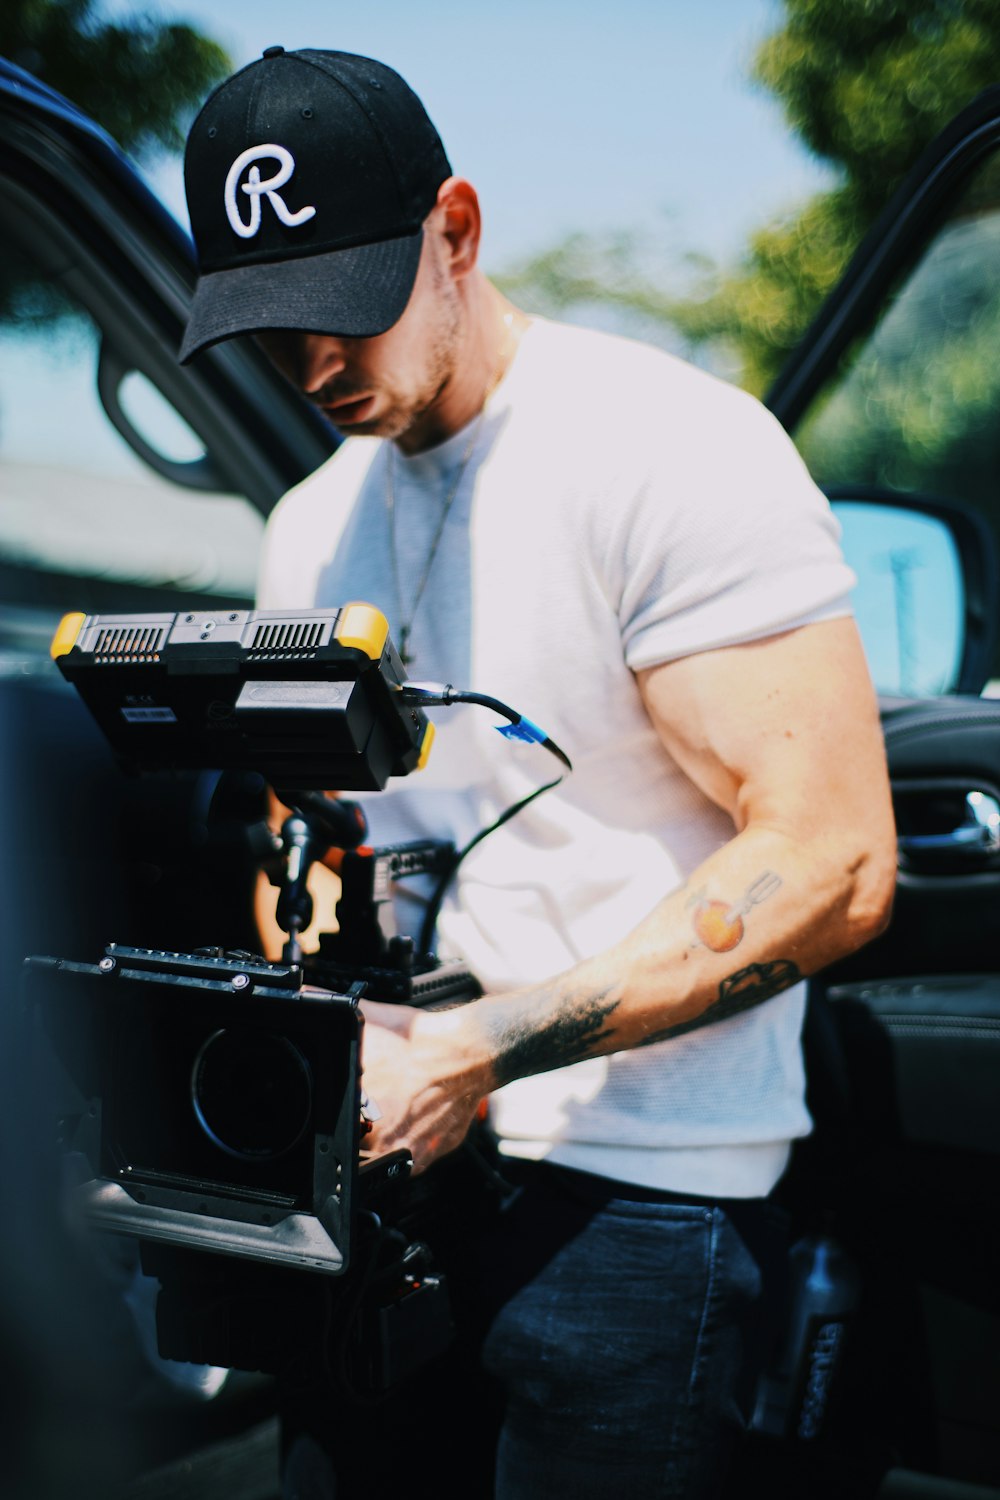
(308,175)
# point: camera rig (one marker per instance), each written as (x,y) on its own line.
(212,1100)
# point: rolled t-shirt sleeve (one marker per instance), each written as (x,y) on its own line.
(726,538)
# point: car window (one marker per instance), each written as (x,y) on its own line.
(913,404)
(106,498)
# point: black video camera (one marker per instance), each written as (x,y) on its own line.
(212,1100)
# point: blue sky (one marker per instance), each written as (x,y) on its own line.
(567,116)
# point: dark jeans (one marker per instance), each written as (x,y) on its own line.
(609,1343)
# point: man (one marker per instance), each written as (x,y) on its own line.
(631,553)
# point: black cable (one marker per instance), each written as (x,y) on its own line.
(518,727)
(521,728)
(438,894)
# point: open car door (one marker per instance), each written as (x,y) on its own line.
(894,401)
(127,483)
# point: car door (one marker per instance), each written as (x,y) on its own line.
(894,401)
(126,483)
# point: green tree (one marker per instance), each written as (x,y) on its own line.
(137,76)
(865,85)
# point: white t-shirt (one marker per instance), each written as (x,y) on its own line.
(619,509)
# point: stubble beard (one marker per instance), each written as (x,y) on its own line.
(415,413)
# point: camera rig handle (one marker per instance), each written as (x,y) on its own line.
(316,824)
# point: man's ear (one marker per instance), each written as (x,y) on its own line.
(458,217)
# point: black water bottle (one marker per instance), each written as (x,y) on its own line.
(795,1393)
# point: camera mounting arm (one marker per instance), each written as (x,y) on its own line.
(316,824)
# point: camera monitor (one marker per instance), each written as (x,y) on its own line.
(310,699)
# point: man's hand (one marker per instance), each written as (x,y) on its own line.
(421,1079)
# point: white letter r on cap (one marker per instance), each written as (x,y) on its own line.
(254,187)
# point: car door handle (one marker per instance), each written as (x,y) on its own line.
(977,837)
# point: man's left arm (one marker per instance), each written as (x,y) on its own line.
(784,735)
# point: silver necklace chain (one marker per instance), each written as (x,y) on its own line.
(406,624)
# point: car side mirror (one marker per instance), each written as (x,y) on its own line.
(927,592)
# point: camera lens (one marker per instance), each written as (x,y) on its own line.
(252,1092)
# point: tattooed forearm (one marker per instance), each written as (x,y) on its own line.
(524,1045)
(741,991)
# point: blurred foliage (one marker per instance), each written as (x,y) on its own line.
(619,281)
(865,85)
(138,76)
(913,405)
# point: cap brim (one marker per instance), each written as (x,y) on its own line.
(353,293)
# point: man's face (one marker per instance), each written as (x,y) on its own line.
(391,385)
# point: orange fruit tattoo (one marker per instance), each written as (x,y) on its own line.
(717,925)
